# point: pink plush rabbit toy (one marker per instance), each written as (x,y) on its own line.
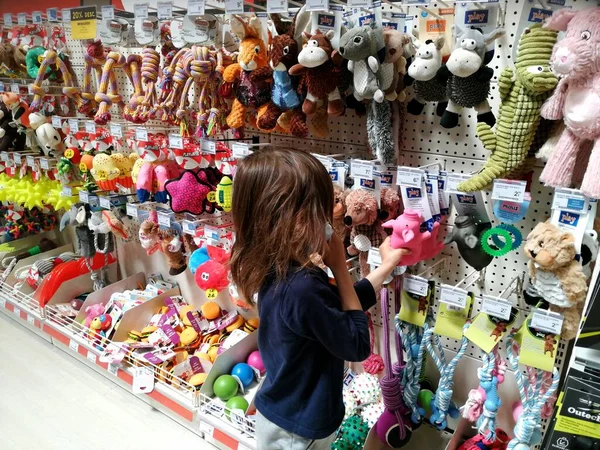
(576,100)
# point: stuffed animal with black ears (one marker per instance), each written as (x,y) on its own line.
(10,138)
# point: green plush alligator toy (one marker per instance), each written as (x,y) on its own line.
(521,100)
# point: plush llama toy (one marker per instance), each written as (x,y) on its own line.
(522,99)
(469,77)
(576,100)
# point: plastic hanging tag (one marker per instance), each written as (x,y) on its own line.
(277,6)
(146,30)
(486,331)
(108,12)
(200,29)
(451,318)
(318,5)
(196,7)
(143,380)
(511,212)
(431,27)
(416,198)
(433,195)
(536,12)
(328,19)
(539,336)
(416,303)
(164,10)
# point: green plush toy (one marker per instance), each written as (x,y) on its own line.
(521,100)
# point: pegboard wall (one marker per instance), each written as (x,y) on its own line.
(424,142)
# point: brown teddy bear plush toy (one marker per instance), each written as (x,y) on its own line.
(555,274)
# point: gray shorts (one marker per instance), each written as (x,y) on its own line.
(271,437)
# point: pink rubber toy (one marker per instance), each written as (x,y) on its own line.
(406,234)
(576,100)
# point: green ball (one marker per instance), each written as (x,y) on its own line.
(424,400)
(225,387)
(236,402)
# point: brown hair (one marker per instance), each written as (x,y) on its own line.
(282,199)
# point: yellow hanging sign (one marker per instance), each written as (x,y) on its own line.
(83,23)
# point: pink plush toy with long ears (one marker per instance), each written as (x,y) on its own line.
(576,100)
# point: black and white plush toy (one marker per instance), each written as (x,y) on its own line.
(469,78)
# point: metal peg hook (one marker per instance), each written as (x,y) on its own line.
(441,261)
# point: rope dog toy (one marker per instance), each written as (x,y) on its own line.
(133,72)
(374,363)
(104,99)
(491,374)
(150,67)
(415,352)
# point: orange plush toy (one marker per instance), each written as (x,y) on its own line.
(252,72)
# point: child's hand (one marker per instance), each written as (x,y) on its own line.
(391,257)
(336,256)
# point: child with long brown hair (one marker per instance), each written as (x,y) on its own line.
(282,202)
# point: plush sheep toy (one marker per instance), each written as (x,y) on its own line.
(469,78)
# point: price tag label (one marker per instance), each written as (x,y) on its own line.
(361,169)
(407,176)
(74,125)
(176,141)
(17,312)
(91,356)
(212,233)
(14,88)
(496,307)
(140,10)
(317,5)
(22,19)
(141,134)
(108,12)
(56,122)
(116,130)
(7,19)
(547,321)
(73,345)
(104,202)
(132,210)
(240,150)
(416,285)
(4,156)
(67,191)
(84,196)
(36,17)
(164,219)
(52,14)
(358,3)
(65,14)
(189,227)
(143,380)
(90,126)
(44,163)
(3,302)
(196,7)
(17,158)
(1,86)
(453,180)
(113,369)
(374,257)
(277,6)
(570,200)
(30,161)
(164,10)
(209,147)
(30,319)
(509,190)
(453,296)
(207,429)
(234,6)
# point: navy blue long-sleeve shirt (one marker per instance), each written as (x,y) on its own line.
(304,338)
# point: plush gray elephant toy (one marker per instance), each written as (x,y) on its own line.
(467,236)
(469,78)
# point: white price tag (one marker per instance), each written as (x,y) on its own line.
(90,126)
(207,429)
(17,312)
(453,180)
(30,161)
(143,380)
(277,6)
(212,233)
(65,14)
(3,302)
(7,19)
(14,88)
(361,169)
(164,10)
(30,319)
(67,191)
(22,19)
(209,147)
(406,176)
(570,200)
(234,6)
(240,150)
(52,14)
(91,356)
(141,134)
(116,130)
(108,12)
(374,257)
(547,321)
(84,196)
(44,163)
(56,122)
(4,156)
(17,158)
(317,5)
(509,190)
(74,125)
(416,285)
(140,10)
(196,7)
(176,141)
(358,3)
(73,345)
(1,86)
(189,227)
(164,219)
(113,369)
(104,202)
(132,210)
(453,296)
(496,307)
(36,17)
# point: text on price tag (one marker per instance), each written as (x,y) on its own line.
(164,219)
(277,6)
(140,10)
(164,10)
(108,12)
(176,141)
(570,200)
(22,19)
(132,210)
(7,19)
(361,169)
(317,5)
(234,6)
(104,202)
(73,345)
(30,319)
(52,14)
(407,176)
(74,125)
(91,356)
(56,122)
(196,7)
(453,180)
(143,380)
(416,285)
(141,134)
(240,150)
(509,190)
(14,88)
(36,17)
(496,307)
(17,312)
(547,321)
(84,196)
(453,296)
(30,161)
(209,146)
(44,163)
(90,126)
(374,257)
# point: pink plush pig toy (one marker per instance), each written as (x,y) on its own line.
(406,234)
(576,100)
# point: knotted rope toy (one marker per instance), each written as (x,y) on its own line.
(441,404)
(103,98)
(133,71)
(374,363)
(535,392)
(150,66)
